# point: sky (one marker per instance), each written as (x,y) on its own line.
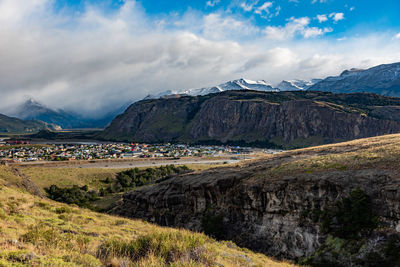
(91,56)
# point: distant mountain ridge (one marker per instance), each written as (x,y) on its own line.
(383,79)
(15,125)
(240,84)
(295,85)
(33,110)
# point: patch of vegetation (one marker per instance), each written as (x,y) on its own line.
(349,224)
(124,181)
(213,225)
(80,196)
(130,179)
(350,217)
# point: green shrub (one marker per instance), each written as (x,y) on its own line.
(213,225)
(74,195)
(134,177)
(350,217)
(3,214)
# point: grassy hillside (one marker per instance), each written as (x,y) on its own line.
(40,232)
(381,152)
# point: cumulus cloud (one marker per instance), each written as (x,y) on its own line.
(248,5)
(337,16)
(322,18)
(295,26)
(264,8)
(94,60)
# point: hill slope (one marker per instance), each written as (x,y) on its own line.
(39,232)
(14,125)
(334,205)
(284,119)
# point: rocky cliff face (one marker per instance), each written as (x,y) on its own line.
(279,118)
(258,209)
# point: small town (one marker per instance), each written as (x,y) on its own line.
(25,152)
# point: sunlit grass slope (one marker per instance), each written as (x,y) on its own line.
(377,152)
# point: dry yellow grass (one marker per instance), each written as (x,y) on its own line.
(65,177)
(376,152)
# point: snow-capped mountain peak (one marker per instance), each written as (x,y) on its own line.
(240,84)
(295,85)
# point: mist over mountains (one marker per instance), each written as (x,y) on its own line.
(33,110)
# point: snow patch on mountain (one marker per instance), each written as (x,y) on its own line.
(296,85)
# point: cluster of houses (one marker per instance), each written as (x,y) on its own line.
(62,152)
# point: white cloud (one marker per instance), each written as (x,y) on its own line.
(264,8)
(337,16)
(295,26)
(248,6)
(217,27)
(212,3)
(103,59)
(322,18)
(397,36)
(318,1)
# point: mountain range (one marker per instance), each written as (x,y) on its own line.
(240,84)
(382,79)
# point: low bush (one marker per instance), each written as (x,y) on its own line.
(74,195)
(134,177)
